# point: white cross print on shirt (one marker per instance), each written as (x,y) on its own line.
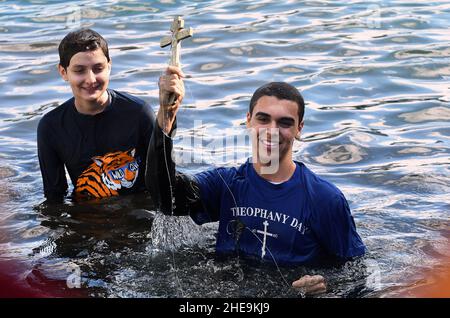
(265,233)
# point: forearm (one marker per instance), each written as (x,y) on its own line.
(165,120)
(164,183)
(160,170)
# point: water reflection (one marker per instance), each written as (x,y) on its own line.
(375,83)
(341,154)
(429,114)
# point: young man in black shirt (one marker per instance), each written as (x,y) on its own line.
(99,135)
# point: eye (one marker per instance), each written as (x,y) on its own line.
(98,69)
(285,125)
(263,119)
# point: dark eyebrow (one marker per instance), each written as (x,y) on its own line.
(288,120)
(262,114)
(82,66)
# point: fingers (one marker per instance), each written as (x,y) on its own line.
(171,84)
(172,108)
(311,284)
(308,280)
(316,279)
(173,70)
(167,81)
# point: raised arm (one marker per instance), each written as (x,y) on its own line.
(169,83)
(163,182)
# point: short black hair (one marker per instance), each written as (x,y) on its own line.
(280,90)
(81,40)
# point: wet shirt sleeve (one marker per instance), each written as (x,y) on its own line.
(52,167)
(335,228)
(210,187)
(176,193)
(173,192)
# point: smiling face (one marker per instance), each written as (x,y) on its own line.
(88,75)
(275,123)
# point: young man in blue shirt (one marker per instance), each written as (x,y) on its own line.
(271,207)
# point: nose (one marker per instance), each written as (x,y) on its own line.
(90,77)
(273,124)
(271,130)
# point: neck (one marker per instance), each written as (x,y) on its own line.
(92,107)
(284,172)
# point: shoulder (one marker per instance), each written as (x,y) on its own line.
(319,189)
(54,117)
(227,174)
(128,102)
(128,99)
(234,175)
(327,203)
(217,178)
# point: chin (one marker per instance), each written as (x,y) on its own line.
(93,97)
(266,159)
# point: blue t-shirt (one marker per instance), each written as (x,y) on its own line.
(300,221)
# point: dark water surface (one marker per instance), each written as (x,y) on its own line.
(375,76)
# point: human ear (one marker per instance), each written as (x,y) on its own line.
(63,72)
(249,116)
(300,127)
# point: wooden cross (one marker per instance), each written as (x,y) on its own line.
(178,34)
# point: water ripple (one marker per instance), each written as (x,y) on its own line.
(375,81)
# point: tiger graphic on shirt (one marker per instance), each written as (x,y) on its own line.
(107,174)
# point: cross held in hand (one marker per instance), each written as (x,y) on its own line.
(178,34)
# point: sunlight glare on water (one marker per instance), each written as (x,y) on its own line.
(375,78)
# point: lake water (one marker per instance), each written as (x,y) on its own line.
(375,78)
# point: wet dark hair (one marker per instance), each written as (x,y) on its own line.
(280,90)
(81,40)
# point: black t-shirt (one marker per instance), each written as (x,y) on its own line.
(67,138)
